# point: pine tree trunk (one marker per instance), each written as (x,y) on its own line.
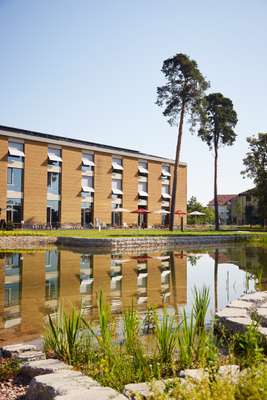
(176,166)
(216,208)
(216,262)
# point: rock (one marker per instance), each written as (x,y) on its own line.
(241,304)
(96,393)
(30,356)
(143,390)
(15,349)
(194,374)
(232,312)
(42,367)
(46,387)
(262,312)
(230,372)
(255,297)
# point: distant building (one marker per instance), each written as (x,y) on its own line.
(224,205)
(244,209)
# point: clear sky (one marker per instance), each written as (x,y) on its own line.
(89,69)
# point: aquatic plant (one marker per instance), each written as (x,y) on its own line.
(166,334)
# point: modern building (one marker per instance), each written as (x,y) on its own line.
(224,206)
(50,180)
(244,209)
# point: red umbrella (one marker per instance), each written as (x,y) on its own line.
(140,211)
(141,258)
(180,212)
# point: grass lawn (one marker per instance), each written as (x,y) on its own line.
(113,233)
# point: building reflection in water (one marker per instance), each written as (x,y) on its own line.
(35,284)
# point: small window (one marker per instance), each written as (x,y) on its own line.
(143,167)
(53,182)
(88,184)
(117,164)
(15,151)
(15,179)
(54,157)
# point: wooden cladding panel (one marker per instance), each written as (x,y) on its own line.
(35,182)
(154,192)
(102,280)
(3,173)
(32,293)
(130,189)
(154,281)
(102,196)
(178,279)
(129,284)
(181,191)
(70,264)
(71,186)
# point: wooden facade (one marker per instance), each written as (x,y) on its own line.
(35,185)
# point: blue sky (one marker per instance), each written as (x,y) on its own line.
(89,69)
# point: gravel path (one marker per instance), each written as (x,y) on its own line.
(13,389)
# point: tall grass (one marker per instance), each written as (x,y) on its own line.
(64,334)
(99,351)
(166,332)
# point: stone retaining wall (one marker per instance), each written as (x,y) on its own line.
(25,242)
(115,244)
(150,242)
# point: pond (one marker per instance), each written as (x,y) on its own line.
(34,283)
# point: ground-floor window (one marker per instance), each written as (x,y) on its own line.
(87,218)
(142,217)
(165,216)
(53,213)
(14,211)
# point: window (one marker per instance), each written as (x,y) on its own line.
(53,212)
(87,214)
(53,182)
(117,164)
(143,167)
(15,179)
(15,151)
(142,189)
(165,170)
(14,211)
(54,157)
(87,162)
(88,184)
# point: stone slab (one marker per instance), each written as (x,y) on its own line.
(30,356)
(255,297)
(230,372)
(232,312)
(241,304)
(15,349)
(42,367)
(96,393)
(194,374)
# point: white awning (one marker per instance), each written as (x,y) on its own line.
(165,172)
(142,275)
(116,278)
(117,191)
(15,152)
(87,162)
(87,189)
(117,166)
(54,157)
(165,273)
(142,193)
(166,195)
(142,170)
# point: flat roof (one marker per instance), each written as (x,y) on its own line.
(84,144)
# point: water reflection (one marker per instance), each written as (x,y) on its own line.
(34,284)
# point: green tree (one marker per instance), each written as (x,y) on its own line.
(194,205)
(218,122)
(255,164)
(181,95)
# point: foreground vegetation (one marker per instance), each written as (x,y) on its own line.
(155,348)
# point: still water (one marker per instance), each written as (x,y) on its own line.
(34,283)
